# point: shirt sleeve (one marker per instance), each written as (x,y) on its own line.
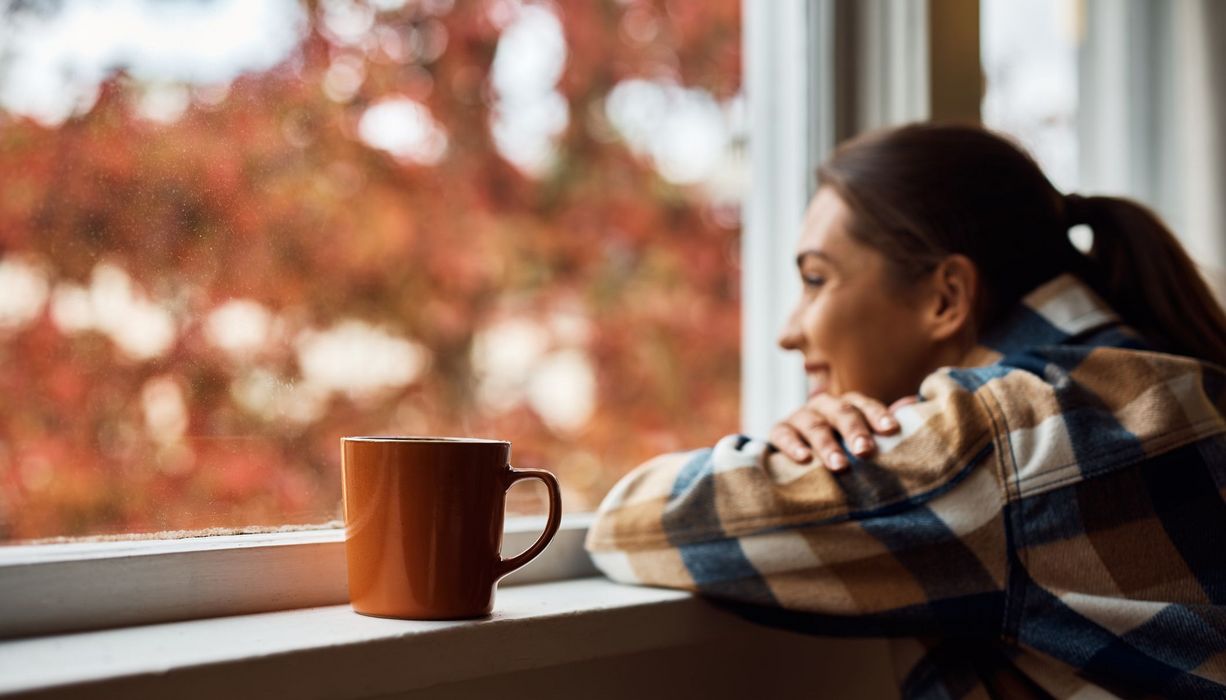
(903,538)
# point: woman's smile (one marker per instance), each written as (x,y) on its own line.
(819,377)
(857,329)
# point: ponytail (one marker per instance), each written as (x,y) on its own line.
(1139,267)
(921,192)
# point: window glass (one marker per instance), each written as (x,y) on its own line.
(232,232)
(1029,54)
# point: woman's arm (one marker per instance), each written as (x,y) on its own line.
(897,538)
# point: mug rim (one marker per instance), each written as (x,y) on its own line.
(423,439)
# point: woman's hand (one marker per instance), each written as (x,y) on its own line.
(813,430)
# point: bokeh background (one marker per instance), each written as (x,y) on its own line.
(232,232)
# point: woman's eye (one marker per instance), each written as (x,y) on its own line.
(813,280)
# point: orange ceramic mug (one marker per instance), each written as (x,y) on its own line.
(423,524)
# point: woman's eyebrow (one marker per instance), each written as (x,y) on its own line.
(814,253)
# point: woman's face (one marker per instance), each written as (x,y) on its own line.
(858,330)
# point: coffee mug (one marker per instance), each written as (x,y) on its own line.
(423,524)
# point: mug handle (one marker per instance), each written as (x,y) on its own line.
(506,566)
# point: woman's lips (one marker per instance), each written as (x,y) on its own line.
(819,379)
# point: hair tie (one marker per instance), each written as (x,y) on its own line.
(1076,210)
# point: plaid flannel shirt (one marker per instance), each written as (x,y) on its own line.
(1050,521)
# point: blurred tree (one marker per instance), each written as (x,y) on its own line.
(145,229)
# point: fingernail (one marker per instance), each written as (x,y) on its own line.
(800,454)
(861,445)
(886,422)
(837,461)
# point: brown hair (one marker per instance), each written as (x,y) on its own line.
(922,192)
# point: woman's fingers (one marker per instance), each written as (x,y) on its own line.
(847,419)
(788,440)
(805,436)
(814,430)
(825,444)
(877,414)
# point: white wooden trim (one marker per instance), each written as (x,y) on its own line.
(1199,87)
(889,63)
(816,72)
(333,652)
(795,76)
(778,88)
(1150,116)
(1125,111)
(576,633)
(54,588)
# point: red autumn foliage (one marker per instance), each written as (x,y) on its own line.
(270,196)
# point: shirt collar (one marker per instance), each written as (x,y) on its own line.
(1051,314)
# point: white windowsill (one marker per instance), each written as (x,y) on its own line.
(331,651)
(58,588)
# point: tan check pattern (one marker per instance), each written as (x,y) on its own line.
(1051,519)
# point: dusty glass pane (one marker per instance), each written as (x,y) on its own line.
(232,232)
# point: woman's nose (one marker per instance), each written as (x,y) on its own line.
(790,337)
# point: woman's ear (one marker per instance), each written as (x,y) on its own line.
(955,288)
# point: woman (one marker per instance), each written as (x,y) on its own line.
(1041,513)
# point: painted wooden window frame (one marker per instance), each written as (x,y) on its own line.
(805,62)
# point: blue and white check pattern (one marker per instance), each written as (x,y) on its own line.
(1050,521)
